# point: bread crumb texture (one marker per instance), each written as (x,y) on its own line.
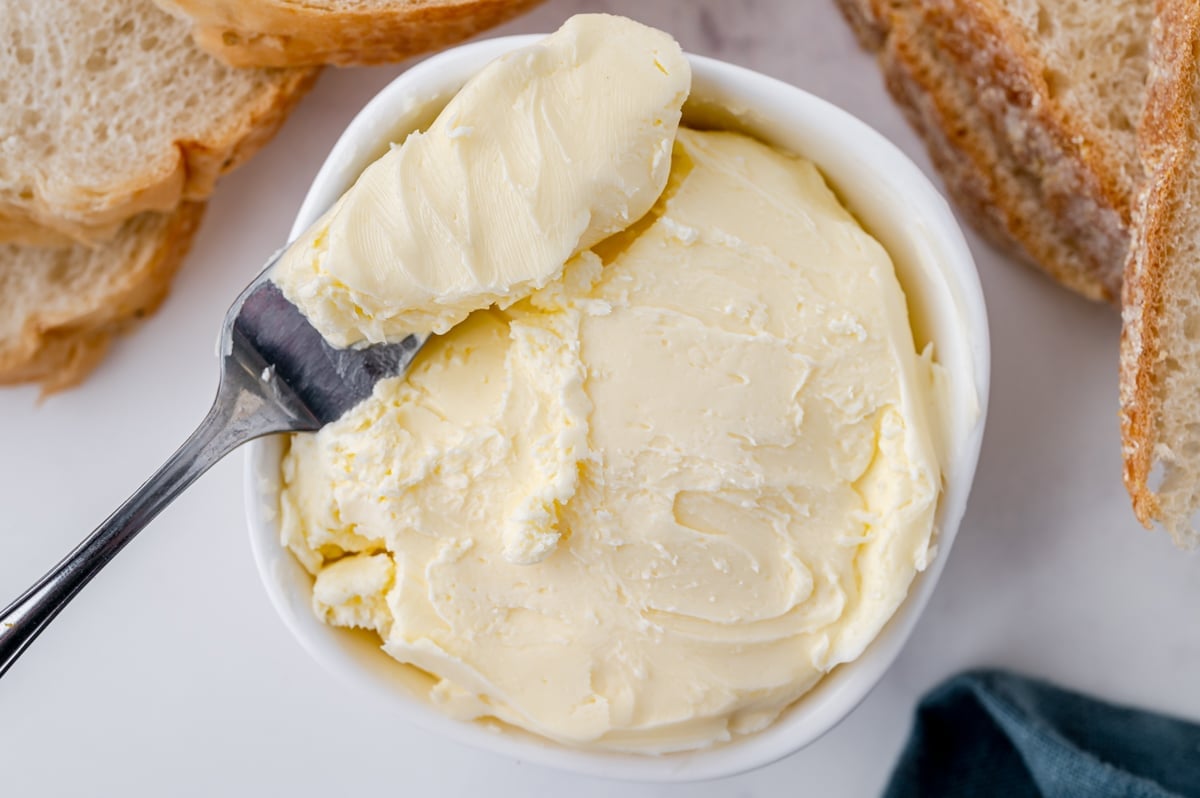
(1160,339)
(1028,108)
(108,109)
(60,307)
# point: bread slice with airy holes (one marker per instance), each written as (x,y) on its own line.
(1160,339)
(60,307)
(343,32)
(1029,110)
(108,109)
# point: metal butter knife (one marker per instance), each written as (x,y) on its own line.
(277,375)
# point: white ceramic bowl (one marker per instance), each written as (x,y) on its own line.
(894,201)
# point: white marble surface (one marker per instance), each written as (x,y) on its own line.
(172,676)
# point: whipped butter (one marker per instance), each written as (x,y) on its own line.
(647,505)
(545,152)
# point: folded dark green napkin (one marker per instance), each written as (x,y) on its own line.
(990,733)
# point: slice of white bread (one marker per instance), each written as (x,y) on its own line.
(344,32)
(1028,108)
(1160,339)
(108,109)
(60,307)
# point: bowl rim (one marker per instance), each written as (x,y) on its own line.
(840,691)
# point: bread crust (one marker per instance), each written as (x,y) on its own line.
(281,33)
(868,19)
(189,175)
(1168,149)
(1014,158)
(58,349)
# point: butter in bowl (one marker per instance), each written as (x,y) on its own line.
(669,488)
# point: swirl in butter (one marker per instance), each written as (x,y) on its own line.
(648,506)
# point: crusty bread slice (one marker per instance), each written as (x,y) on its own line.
(108,109)
(60,307)
(1160,339)
(344,32)
(1028,108)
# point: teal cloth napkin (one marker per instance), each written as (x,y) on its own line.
(991,733)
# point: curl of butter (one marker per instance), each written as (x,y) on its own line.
(523,169)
